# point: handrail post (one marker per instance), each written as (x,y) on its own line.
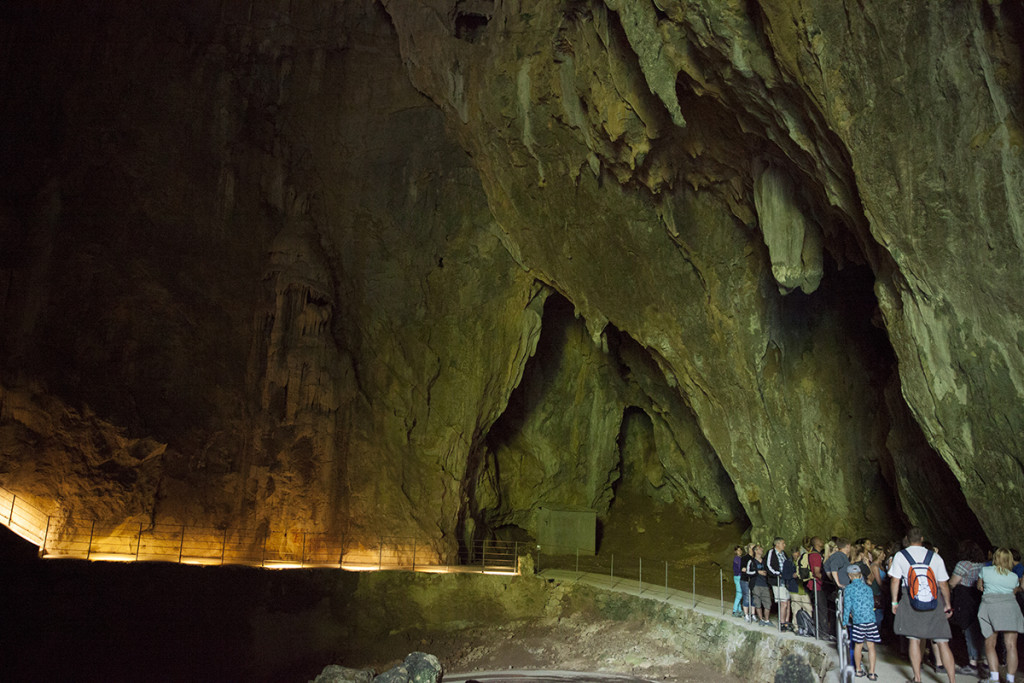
(483,555)
(640,576)
(138,543)
(92,530)
(666,579)
(695,585)
(10,516)
(721,588)
(223,545)
(414,554)
(263,554)
(380,554)
(817,614)
(577,561)
(181,544)
(302,553)
(46,534)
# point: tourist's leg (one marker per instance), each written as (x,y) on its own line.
(971,640)
(915,657)
(946,654)
(871,657)
(990,653)
(1010,640)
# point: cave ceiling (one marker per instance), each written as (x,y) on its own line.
(422,267)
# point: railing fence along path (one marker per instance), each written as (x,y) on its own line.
(708,585)
(178,543)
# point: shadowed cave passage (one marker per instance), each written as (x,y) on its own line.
(907,463)
(570,438)
(609,422)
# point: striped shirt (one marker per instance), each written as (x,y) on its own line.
(968,572)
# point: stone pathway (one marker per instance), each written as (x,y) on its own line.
(889,667)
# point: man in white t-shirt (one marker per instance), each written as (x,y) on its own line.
(918,625)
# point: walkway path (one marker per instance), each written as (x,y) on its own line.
(205,546)
(889,667)
(291,549)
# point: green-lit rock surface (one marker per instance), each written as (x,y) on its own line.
(417,268)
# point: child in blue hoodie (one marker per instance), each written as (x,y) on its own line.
(859,604)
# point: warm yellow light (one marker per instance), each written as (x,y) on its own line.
(109,557)
(358,567)
(202,561)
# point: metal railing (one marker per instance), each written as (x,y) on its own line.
(708,585)
(705,585)
(180,543)
(847,671)
(22,517)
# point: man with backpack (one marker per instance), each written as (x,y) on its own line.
(923,611)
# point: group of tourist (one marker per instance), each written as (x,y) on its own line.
(981,598)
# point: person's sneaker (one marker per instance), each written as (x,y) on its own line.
(967,670)
(765,622)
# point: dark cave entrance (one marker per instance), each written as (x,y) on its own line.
(922,489)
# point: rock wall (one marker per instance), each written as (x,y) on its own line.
(417,267)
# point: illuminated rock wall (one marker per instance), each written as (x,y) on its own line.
(416,268)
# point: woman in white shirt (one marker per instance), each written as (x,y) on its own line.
(999,612)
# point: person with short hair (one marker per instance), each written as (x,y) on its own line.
(775,563)
(760,594)
(859,607)
(918,625)
(836,578)
(966,601)
(999,612)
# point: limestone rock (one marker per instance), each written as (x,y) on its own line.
(418,667)
(333,673)
(794,241)
(325,292)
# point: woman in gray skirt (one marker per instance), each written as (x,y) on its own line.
(999,612)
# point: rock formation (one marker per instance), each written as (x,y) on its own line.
(417,267)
